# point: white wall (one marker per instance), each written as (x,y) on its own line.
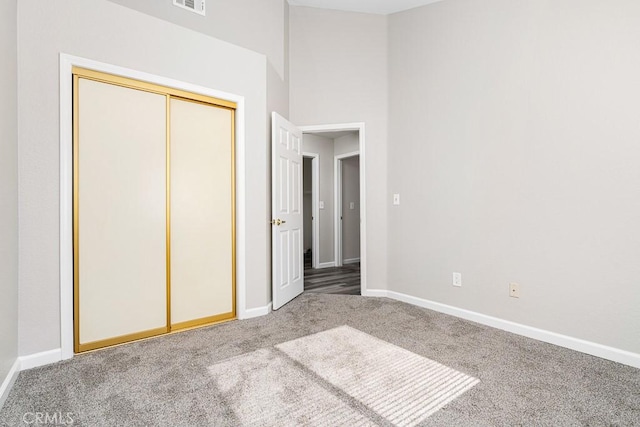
(8,190)
(258,25)
(350,217)
(324,148)
(517,119)
(347,143)
(339,75)
(514,143)
(103,31)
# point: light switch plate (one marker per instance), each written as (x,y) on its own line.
(352,205)
(396,199)
(321,204)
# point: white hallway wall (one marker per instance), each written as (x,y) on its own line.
(348,143)
(8,189)
(338,74)
(514,143)
(103,31)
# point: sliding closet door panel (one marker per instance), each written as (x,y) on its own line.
(121,212)
(201,213)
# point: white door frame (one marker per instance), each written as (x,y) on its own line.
(337,191)
(360,128)
(67,62)
(315,213)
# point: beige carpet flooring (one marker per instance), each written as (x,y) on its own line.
(197,378)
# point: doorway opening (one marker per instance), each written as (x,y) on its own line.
(310,186)
(332,205)
(287,239)
(347,219)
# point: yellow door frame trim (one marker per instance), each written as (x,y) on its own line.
(83,73)
(150,87)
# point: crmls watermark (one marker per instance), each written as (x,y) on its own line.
(48,418)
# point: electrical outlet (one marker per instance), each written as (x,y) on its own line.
(514,290)
(457,279)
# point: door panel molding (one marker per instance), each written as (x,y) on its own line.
(287,223)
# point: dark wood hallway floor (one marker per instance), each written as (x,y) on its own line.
(335,280)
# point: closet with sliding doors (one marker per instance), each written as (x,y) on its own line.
(154,220)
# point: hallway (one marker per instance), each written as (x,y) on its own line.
(337,280)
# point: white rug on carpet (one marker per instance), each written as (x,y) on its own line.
(400,386)
(265,388)
(337,377)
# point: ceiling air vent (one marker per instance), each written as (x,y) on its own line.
(196,6)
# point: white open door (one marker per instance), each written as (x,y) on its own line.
(286,208)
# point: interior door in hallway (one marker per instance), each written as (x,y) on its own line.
(286,206)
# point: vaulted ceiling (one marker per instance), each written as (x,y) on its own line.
(381,7)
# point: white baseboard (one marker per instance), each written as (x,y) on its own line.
(53,356)
(326,264)
(40,359)
(351,261)
(577,344)
(250,313)
(8,382)
(374,293)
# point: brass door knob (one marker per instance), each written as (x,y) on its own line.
(277,221)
